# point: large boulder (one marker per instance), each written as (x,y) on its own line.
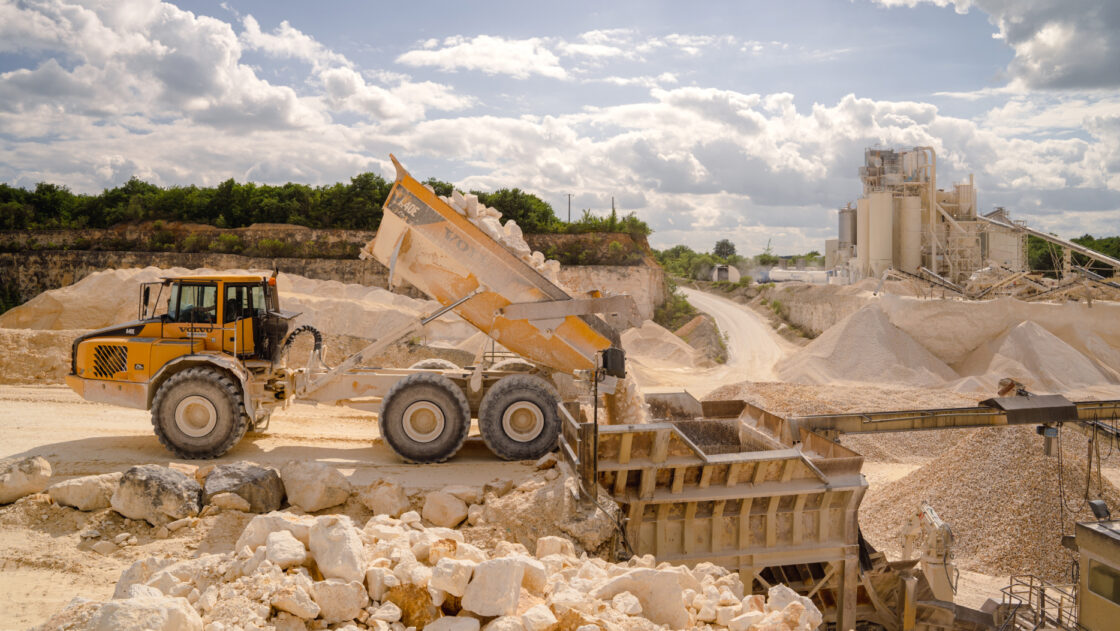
(260,486)
(337,547)
(257,530)
(156,494)
(145,612)
(495,588)
(384,498)
(339,600)
(86,493)
(313,486)
(444,509)
(659,593)
(23,477)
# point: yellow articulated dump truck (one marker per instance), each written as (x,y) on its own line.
(208,354)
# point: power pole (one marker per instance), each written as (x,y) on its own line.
(569,208)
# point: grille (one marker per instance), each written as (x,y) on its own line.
(108,360)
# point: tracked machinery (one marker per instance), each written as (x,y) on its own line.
(208,354)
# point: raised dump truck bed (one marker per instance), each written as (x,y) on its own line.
(437,249)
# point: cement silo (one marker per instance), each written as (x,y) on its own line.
(880,235)
(863,221)
(847,227)
(910,234)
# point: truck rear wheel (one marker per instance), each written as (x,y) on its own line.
(519,419)
(425,418)
(197,414)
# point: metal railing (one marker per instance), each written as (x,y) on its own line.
(1033,603)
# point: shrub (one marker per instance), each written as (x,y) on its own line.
(227,243)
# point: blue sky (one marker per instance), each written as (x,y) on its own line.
(745,120)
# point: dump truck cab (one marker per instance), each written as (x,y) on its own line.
(223,330)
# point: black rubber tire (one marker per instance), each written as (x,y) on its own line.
(514,364)
(434,363)
(514,389)
(221,391)
(433,388)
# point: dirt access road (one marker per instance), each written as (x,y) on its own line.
(81,438)
(753,350)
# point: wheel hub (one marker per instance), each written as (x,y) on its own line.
(523,421)
(196,416)
(423,421)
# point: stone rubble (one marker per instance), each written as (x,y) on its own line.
(303,572)
(509,235)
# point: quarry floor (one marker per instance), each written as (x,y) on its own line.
(43,563)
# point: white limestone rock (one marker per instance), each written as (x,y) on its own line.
(538,618)
(23,477)
(384,498)
(659,592)
(339,600)
(144,613)
(87,493)
(554,545)
(444,509)
(505,623)
(452,576)
(495,587)
(469,494)
(257,530)
(284,550)
(230,501)
(313,486)
(627,603)
(296,601)
(453,623)
(379,580)
(337,547)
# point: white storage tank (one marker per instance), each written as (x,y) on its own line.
(910,234)
(880,232)
(863,220)
(847,227)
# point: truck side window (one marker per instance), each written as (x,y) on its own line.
(243,301)
(195,303)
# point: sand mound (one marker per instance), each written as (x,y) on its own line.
(1034,356)
(110,297)
(98,300)
(656,346)
(865,346)
(999,494)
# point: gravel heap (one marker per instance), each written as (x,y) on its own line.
(1000,495)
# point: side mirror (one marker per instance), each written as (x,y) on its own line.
(144,296)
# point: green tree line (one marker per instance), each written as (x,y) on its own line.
(355,205)
(1046,257)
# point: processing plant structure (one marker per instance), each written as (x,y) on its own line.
(904,226)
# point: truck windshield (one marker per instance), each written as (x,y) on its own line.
(193,303)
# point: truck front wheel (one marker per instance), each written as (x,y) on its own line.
(197,414)
(425,418)
(518,417)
